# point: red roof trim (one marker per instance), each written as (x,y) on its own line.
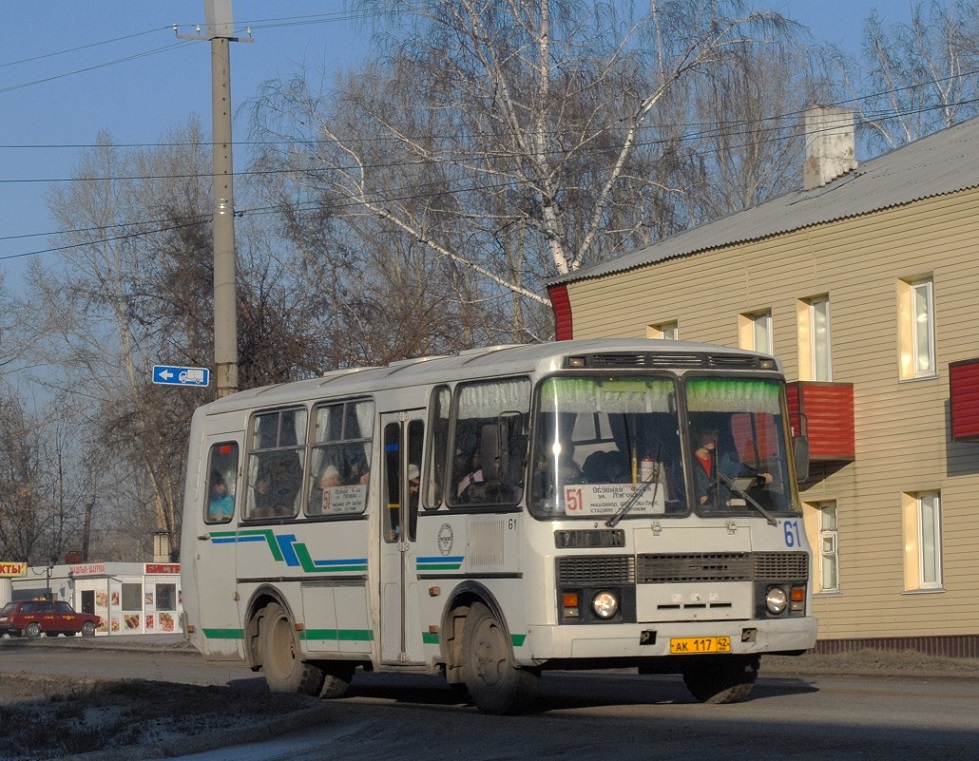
(561,304)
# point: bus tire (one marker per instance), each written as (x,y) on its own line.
(495,683)
(726,679)
(336,678)
(281,663)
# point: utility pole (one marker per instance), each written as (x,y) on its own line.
(220,31)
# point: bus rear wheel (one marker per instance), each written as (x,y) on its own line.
(284,670)
(719,680)
(495,683)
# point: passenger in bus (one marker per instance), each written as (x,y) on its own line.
(713,469)
(277,485)
(330,477)
(220,504)
(605,467)
(475,475)
(414,483)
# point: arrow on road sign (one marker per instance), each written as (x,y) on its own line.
(181,376)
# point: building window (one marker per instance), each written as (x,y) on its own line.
(815,356)
(166,596)
(916,307)
(923,540)
(755,332)
(667,330)
(829,558)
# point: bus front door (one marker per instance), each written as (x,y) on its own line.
(212,567)
(400,626)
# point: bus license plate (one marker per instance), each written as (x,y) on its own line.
(694,645)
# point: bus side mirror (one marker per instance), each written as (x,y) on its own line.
(800,448)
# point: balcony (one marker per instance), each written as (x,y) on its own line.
(824,413)
(963,394)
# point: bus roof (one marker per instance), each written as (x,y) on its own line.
(493,361)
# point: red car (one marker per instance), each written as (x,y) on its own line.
(36,617)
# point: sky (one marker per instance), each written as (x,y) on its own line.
(72,68)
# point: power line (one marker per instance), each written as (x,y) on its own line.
(405,193)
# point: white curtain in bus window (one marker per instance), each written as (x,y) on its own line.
(275,466)
(340,468)
(733,395)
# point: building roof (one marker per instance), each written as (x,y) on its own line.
(939,164)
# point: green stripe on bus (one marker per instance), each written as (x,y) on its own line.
(302,552)
(224,633)
(269,537)
(428,638)
(338,635)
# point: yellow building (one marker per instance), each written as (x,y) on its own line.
(865,283)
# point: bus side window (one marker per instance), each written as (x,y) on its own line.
(490,443)
(222,469)
(275,465)
(434,487)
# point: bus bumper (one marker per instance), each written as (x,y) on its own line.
(634,641)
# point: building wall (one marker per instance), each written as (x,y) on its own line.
(902,428)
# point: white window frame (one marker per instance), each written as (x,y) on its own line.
(923,328)
(829,537)
(821,354)
(916,334)
(755,332)
(929,509)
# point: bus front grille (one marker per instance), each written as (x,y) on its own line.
(596,570)
(721,566)
(780,566)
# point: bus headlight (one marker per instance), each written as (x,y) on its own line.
(605,604)
(775,600)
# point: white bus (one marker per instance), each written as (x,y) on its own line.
(501,512)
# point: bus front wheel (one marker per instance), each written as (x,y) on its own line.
(281,663)
(723,679)
(496,685)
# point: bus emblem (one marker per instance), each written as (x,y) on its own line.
(445,538)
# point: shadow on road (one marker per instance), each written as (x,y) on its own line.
(561,690)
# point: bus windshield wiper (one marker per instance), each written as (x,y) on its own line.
(729,483)
(642,486)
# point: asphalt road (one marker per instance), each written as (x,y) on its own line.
(617,715)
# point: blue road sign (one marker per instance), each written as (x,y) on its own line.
(181,376)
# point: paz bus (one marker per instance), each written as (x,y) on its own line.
(498,513)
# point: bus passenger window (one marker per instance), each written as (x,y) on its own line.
(433,495)
(222,482)
(275,463)
(340,466)
(490,462)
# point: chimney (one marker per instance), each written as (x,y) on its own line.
(829,145)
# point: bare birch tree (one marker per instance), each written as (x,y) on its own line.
(921,75)
(491,128)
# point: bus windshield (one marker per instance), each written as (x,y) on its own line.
(740,452)
(602,442)
(617,447)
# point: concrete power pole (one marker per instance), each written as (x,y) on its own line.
(220,31)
